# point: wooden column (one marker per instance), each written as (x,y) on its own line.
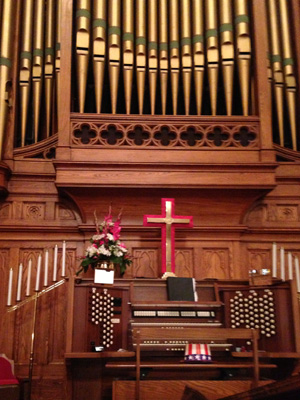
(64,97)
(263,98)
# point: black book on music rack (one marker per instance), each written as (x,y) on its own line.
(181,289)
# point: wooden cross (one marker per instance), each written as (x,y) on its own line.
(168,222)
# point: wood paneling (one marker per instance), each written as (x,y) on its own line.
(162,390)
(241,199)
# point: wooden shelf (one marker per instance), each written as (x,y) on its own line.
(166,365)
(100,354)
(265,354)
(176,304)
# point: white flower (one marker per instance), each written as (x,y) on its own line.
(118,253)
(110,237)
(98,237)
(122,249)
(103,250)
(91,251)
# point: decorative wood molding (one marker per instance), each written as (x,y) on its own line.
(107,131)
(5,173)
(267,212)
(45,149)
(285,154)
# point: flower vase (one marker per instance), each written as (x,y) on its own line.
(103,273)
(117,270)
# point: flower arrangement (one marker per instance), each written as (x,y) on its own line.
(106,246)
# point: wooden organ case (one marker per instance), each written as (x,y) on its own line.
(102,317)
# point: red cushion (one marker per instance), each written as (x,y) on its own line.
(9,382)
(6,374)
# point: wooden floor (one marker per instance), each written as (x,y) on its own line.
(173,390)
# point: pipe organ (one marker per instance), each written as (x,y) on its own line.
(112,312)
(188,57)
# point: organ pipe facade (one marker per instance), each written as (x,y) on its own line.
(138,57)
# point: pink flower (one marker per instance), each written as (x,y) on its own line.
(116,229)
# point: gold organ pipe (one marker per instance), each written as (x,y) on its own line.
(1,3)
(212,51)
(277,65)
(49,61)
(269,68)
(141,50)
(5,64)
(269,63)
(288,69)
(186,51)
(163,52)
(128,49)
(83,16)
(37,65)
(227,50)
(174,51)
(243,43)
(57,51)
(152,51)
(114,45)
(99,47)
(25,66)
(198,51)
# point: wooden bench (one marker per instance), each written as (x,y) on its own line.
(199,335)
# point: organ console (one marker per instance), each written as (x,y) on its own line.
(105,315)
(104,319)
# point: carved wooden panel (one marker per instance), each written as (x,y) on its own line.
(63,213)
(143,133)
(184,265)
(33,210)
(4,320)
(274,213)
(50,333)
(6,210)
(288,212)
(259,259)
(258,214)
(145,263)
(215,263)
